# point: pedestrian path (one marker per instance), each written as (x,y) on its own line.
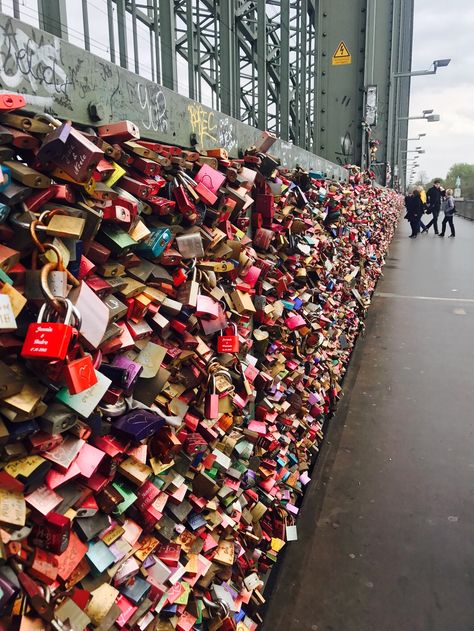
(386,533)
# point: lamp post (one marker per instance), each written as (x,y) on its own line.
(427,115)
(394,119)
(437,63)
(431,118)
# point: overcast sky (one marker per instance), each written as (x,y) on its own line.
(442,30)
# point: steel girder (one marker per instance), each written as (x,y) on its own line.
(253,60)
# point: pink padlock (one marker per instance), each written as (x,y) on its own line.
(295,321)
(206,307)
(211,401)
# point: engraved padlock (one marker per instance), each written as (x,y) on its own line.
(49,340)
(228,340)
(79,373)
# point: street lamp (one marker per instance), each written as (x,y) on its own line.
(437,63)
(427,115)
(407,140)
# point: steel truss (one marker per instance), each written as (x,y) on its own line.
(253,60)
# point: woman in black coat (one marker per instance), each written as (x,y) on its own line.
(415,209)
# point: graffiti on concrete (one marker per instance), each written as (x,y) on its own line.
(35,60)
(153,104)
(227,138)
(202,124)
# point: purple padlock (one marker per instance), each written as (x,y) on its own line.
(138,424)
(133,370)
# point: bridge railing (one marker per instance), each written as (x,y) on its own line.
(465,208)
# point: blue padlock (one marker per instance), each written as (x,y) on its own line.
(156,243)
(6,177)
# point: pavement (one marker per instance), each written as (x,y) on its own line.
(386,532)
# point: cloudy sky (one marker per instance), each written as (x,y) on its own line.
(442,30)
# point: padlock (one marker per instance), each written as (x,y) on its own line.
(190,245)
(211,401)
(79,156)
(156,243)
(79,374)
(50,340)
(52,534)
(228,342)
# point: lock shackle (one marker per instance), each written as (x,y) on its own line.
(34,225)
(71,310)
(56,266)
(212,379)
(219,605)
(48,309)
(24,225)
(47,118)
(231,324)
(47,215)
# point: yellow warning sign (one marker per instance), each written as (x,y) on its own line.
(342,56)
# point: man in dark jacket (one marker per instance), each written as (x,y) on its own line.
(433,198)
(415,208)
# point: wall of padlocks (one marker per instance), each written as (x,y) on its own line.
(174,329)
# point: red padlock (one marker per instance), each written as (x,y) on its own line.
(9,102)
(79,373)
(50,340)
(229,341)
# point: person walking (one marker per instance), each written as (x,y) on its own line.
(415,208)
(423,200)
(449,209)
(434,196)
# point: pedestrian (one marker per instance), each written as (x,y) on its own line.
(415,208)
(423,199)
(434,196)
(449,209)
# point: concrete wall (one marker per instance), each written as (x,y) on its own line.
(465,209)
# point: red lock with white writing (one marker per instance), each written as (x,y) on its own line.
(228,342)
(50,340)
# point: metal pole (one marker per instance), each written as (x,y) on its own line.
(303,8)
(191,62)
(52,16)
(391,101)
(262,65)
(122,36)
(285,70)
(110,16)
(85,21)
(168,38)
(135,37)
(156,31)
(227,78)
